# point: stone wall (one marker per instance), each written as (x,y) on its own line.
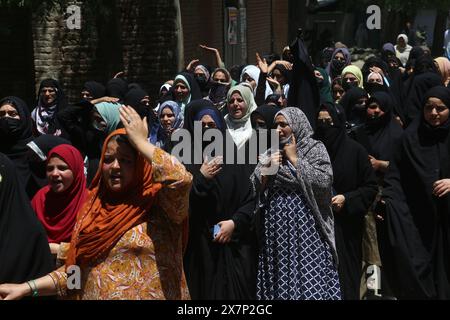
(16,54)
(149,41)
(134,36)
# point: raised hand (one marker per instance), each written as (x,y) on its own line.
(120,74)
(290,150)
(137,128)
(214,50)
(262,64)
(275,84)
(191,64)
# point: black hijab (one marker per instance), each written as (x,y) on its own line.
(353,178)
(354,112)
(133,99)
(117,88)
(195,92)
(14,136)
(417,229)
(373,62)
(96,89)
(382,132)
(420,85)
(61,100)
(24,250)
(333,136)
(285,72)
(267,112)
(45,116)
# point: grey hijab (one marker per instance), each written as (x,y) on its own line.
(312,175)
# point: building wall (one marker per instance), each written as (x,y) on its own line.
(259,24)
(16,55)
(135,36)
(202,24)
(280,18)
(203,21)
(149,42)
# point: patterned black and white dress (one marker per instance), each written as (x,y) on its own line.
(295,263)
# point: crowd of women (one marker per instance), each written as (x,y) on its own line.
(362,182)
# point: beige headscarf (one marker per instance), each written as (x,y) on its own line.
(444,69)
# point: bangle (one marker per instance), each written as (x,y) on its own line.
(34,289)
(31,289)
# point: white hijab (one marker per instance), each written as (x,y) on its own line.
(254,72)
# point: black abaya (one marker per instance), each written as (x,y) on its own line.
(219,271)
(24,250)
(415,236)
(14,144)
(354,178)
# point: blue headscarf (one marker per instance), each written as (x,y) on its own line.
(212,114)
(158,136)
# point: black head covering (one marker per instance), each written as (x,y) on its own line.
(425,64)
(419,87)
(333,136)
(440,132)
(285,72)
(373,62)
(134,85)
(267,112)
(416,53)
(133,99)
(197,106)
(23,130)
(96,89)
(61,100)
(117,88)
(348,103)
(24,250)
(43,144)
(14,145)
(191,114)
(273,98)
(417,224)
(382,132)
(45,116)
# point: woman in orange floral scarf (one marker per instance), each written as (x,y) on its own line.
(127,240)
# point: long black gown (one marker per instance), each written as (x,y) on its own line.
(217,271)
(354,178)
(415,237)
(24,250)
